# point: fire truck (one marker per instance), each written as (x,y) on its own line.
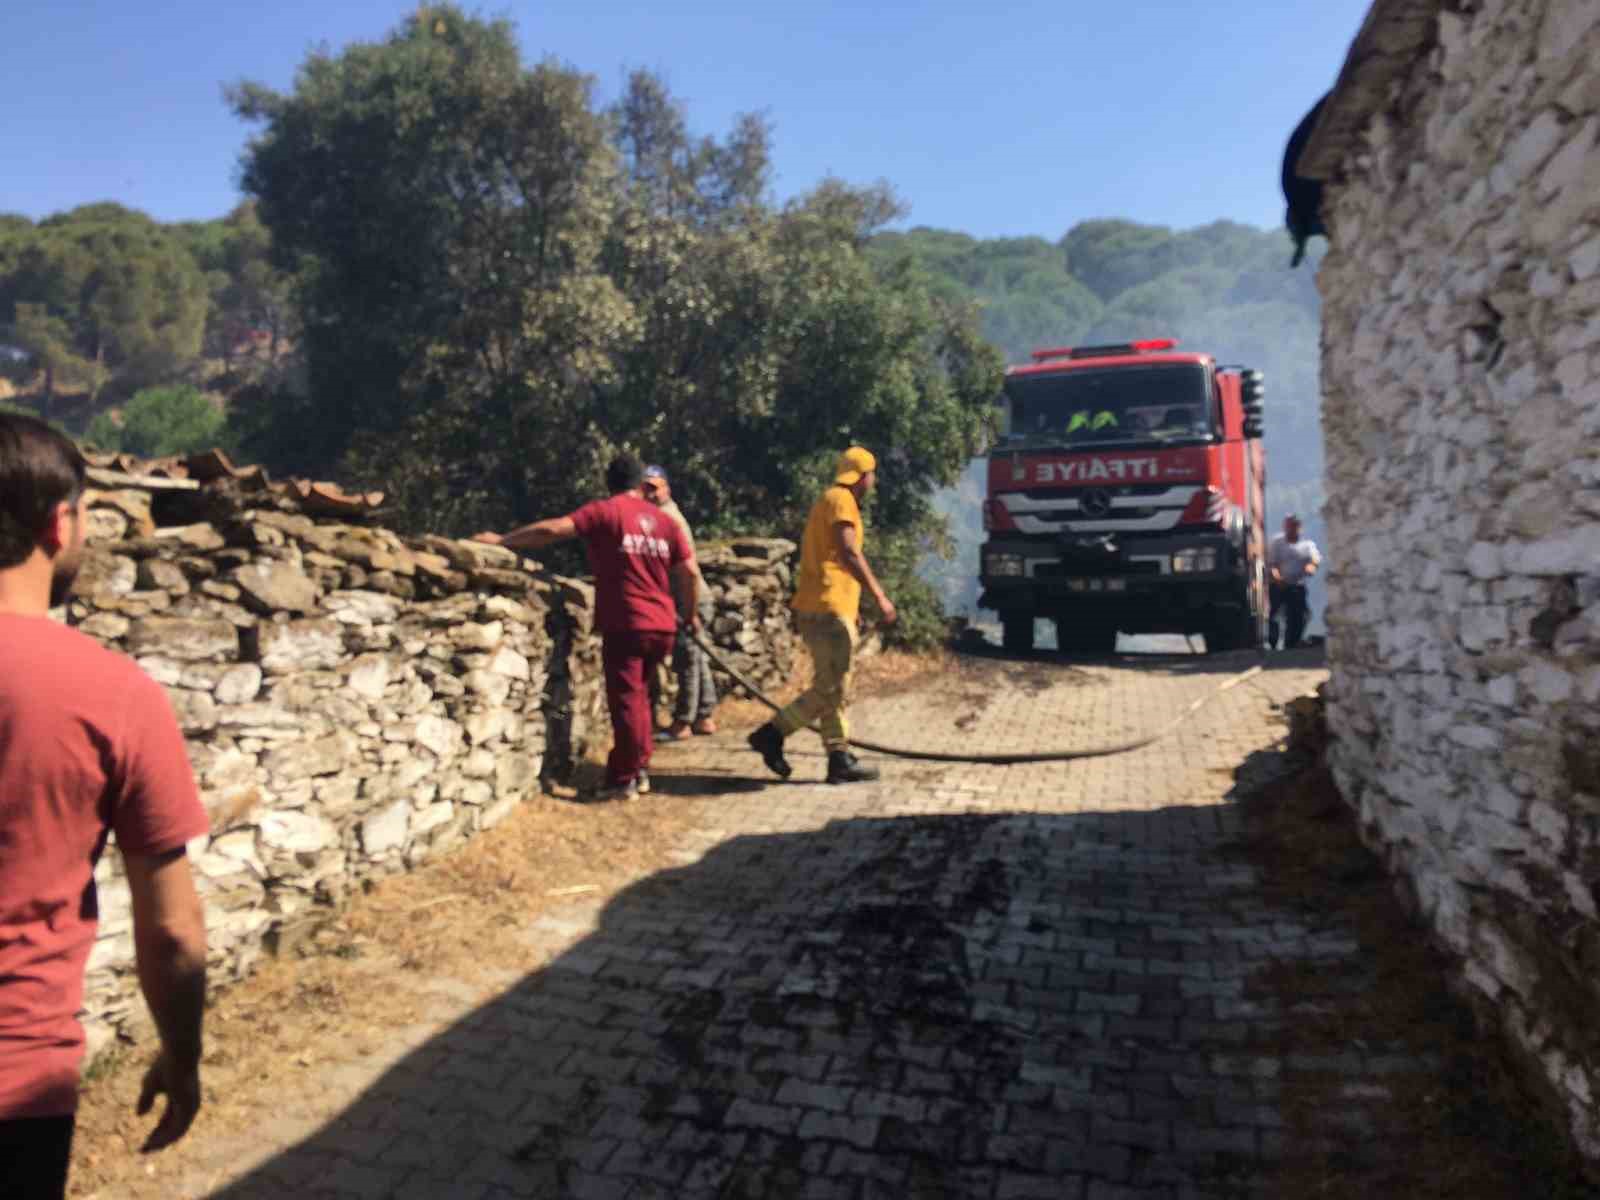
(1127,495)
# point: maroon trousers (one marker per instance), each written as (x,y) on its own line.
(630,660)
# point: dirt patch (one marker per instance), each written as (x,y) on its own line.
(1465,1130)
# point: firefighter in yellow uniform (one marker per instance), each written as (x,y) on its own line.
(827,600)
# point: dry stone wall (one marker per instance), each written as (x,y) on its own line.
(1461,369)
(354,702)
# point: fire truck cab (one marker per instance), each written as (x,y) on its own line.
(1127,493)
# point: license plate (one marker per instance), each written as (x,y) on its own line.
(1097,585)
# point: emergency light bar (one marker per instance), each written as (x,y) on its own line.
(1107,351)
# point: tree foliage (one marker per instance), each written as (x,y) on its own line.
(160,421)
(251,316)
(101,294)
(501,285)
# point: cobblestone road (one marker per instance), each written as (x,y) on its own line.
(1027,981)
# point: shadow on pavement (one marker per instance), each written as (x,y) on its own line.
(687,783)
(1014,1005)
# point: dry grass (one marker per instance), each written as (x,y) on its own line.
(1466,1131)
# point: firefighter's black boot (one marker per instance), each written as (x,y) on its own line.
(768,742)
(844,767)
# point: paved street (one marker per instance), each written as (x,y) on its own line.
(1029,981)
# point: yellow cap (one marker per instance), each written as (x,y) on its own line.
(853,464)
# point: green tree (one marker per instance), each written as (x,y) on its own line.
(443,210)
(49,342)
(1108,257)
(1027,298)
(502,287)
(105,286)
(249,297)
(159,422)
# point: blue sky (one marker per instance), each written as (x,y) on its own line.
(1011,118)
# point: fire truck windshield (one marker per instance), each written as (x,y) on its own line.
(1118,404)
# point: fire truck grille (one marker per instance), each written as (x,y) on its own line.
(1066,571)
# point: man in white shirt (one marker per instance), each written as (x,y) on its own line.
(1291,560)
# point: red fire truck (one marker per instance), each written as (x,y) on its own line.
(1127,494)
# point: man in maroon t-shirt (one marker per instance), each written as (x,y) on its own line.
(638,558)
(88,747)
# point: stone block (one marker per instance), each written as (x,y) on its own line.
(483,726)
(184,639)
(355,607)
(102,573)
(516,774)
(440,735)
(196,711)
(1574,551)
(368,676)
(386,831)
(492,815)
(296,832)
(105,627)
(1479,628)
(202,538)
(505,608)
(472,636)
(1483,560)
(158,574)
(506,661)
(490,688)
(432,818)
(478,764)
(239,684)
(305,760)
(1548,683)
(312,644)
(270,586)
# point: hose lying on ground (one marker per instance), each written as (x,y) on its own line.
(996,759)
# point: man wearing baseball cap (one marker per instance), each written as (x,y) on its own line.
(827,601)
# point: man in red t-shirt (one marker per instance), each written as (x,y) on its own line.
(88,747)
(638,558)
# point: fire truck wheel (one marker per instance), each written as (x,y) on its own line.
(1018,632)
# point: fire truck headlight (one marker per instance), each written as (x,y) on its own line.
(1004,564)
(1186,562)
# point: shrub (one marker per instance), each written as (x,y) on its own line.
(161,421)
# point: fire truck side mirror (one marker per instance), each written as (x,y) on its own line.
(1252,425)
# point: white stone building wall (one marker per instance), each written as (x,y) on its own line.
(1461,376)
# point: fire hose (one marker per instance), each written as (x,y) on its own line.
(994,759)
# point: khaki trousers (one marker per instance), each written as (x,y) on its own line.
(832,642)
